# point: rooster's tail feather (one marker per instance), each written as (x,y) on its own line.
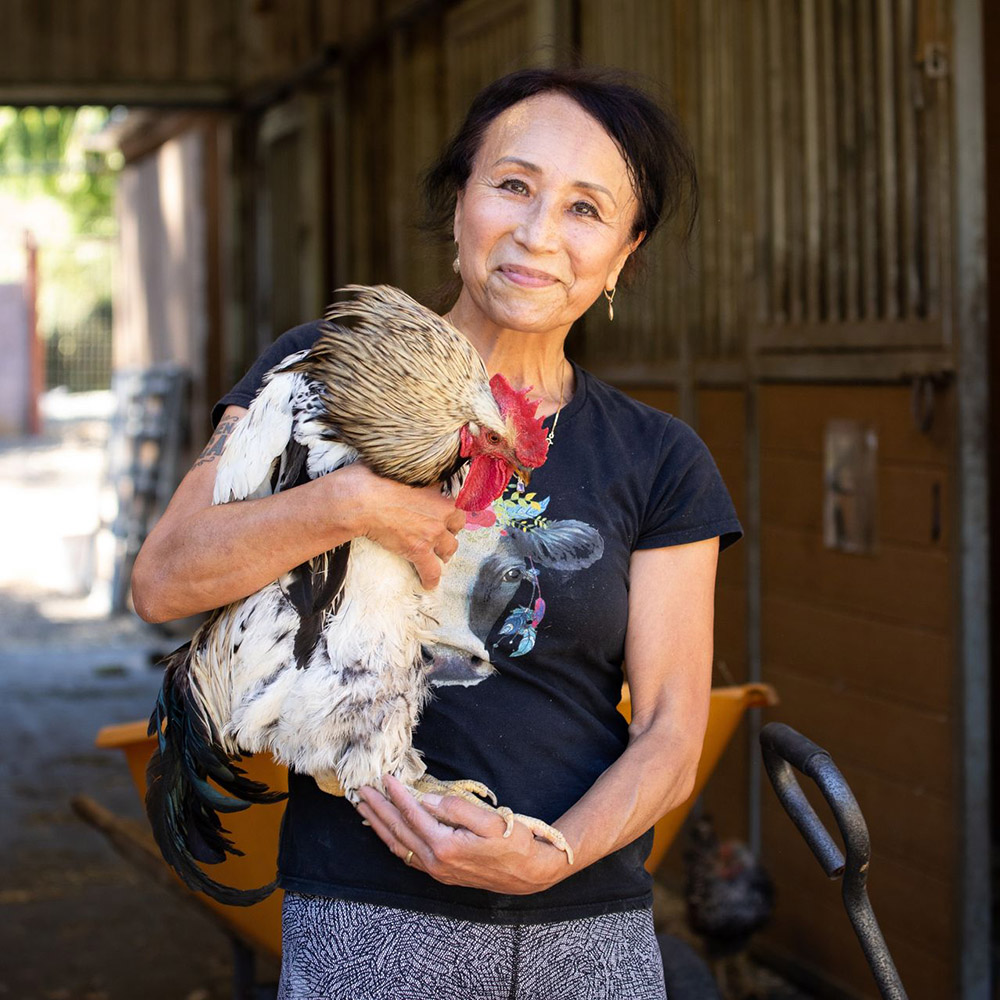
(181,805)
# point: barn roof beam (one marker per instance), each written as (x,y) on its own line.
(142,94)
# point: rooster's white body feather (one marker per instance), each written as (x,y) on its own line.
(351,710)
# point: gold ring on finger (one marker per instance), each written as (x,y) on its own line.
(409,858)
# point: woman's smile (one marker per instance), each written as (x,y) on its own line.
(527,277)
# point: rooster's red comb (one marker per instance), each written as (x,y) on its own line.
(531,443)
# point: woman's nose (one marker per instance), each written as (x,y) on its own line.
(538,229)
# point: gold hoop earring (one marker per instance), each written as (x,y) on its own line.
(610,296)
(456,264)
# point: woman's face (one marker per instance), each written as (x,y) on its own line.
(544,222)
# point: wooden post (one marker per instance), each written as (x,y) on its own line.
(36,356)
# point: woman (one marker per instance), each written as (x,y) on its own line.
(551,185)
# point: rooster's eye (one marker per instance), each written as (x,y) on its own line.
(492,437)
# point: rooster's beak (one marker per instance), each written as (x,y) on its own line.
(523,474)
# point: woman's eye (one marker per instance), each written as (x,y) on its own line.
(514,185)
(586,208)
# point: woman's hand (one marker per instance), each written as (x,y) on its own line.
(418,524)
(459,843)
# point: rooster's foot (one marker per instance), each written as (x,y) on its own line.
(469,790)
(329,782)
(464,788)
(545,832)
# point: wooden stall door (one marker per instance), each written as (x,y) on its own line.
(861,648)
(854,254)
(818,288)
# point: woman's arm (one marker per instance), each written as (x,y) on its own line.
(668,650)
(201,556)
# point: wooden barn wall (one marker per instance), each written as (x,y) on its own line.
(288,170)
(689,301)
(168,52)
(161,310)
(822,133)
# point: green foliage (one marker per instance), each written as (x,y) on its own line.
(58,182)
(50,151)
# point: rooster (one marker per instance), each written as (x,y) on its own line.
(729,897)
(324,668)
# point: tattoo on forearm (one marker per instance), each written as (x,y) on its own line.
(217,443)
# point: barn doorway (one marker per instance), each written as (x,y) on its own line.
(57,239)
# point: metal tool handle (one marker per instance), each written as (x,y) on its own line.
(784,748)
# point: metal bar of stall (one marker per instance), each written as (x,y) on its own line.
(972,603)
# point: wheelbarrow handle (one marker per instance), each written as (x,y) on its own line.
(784,749)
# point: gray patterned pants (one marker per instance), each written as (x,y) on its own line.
(334,949)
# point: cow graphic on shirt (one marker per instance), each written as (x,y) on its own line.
(503,548)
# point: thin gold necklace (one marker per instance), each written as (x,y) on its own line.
(562,397)
(550,437)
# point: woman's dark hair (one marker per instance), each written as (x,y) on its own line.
(656,151)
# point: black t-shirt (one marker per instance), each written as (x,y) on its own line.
(539,589)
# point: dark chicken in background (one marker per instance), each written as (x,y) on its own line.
(324,668)
(729,897)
